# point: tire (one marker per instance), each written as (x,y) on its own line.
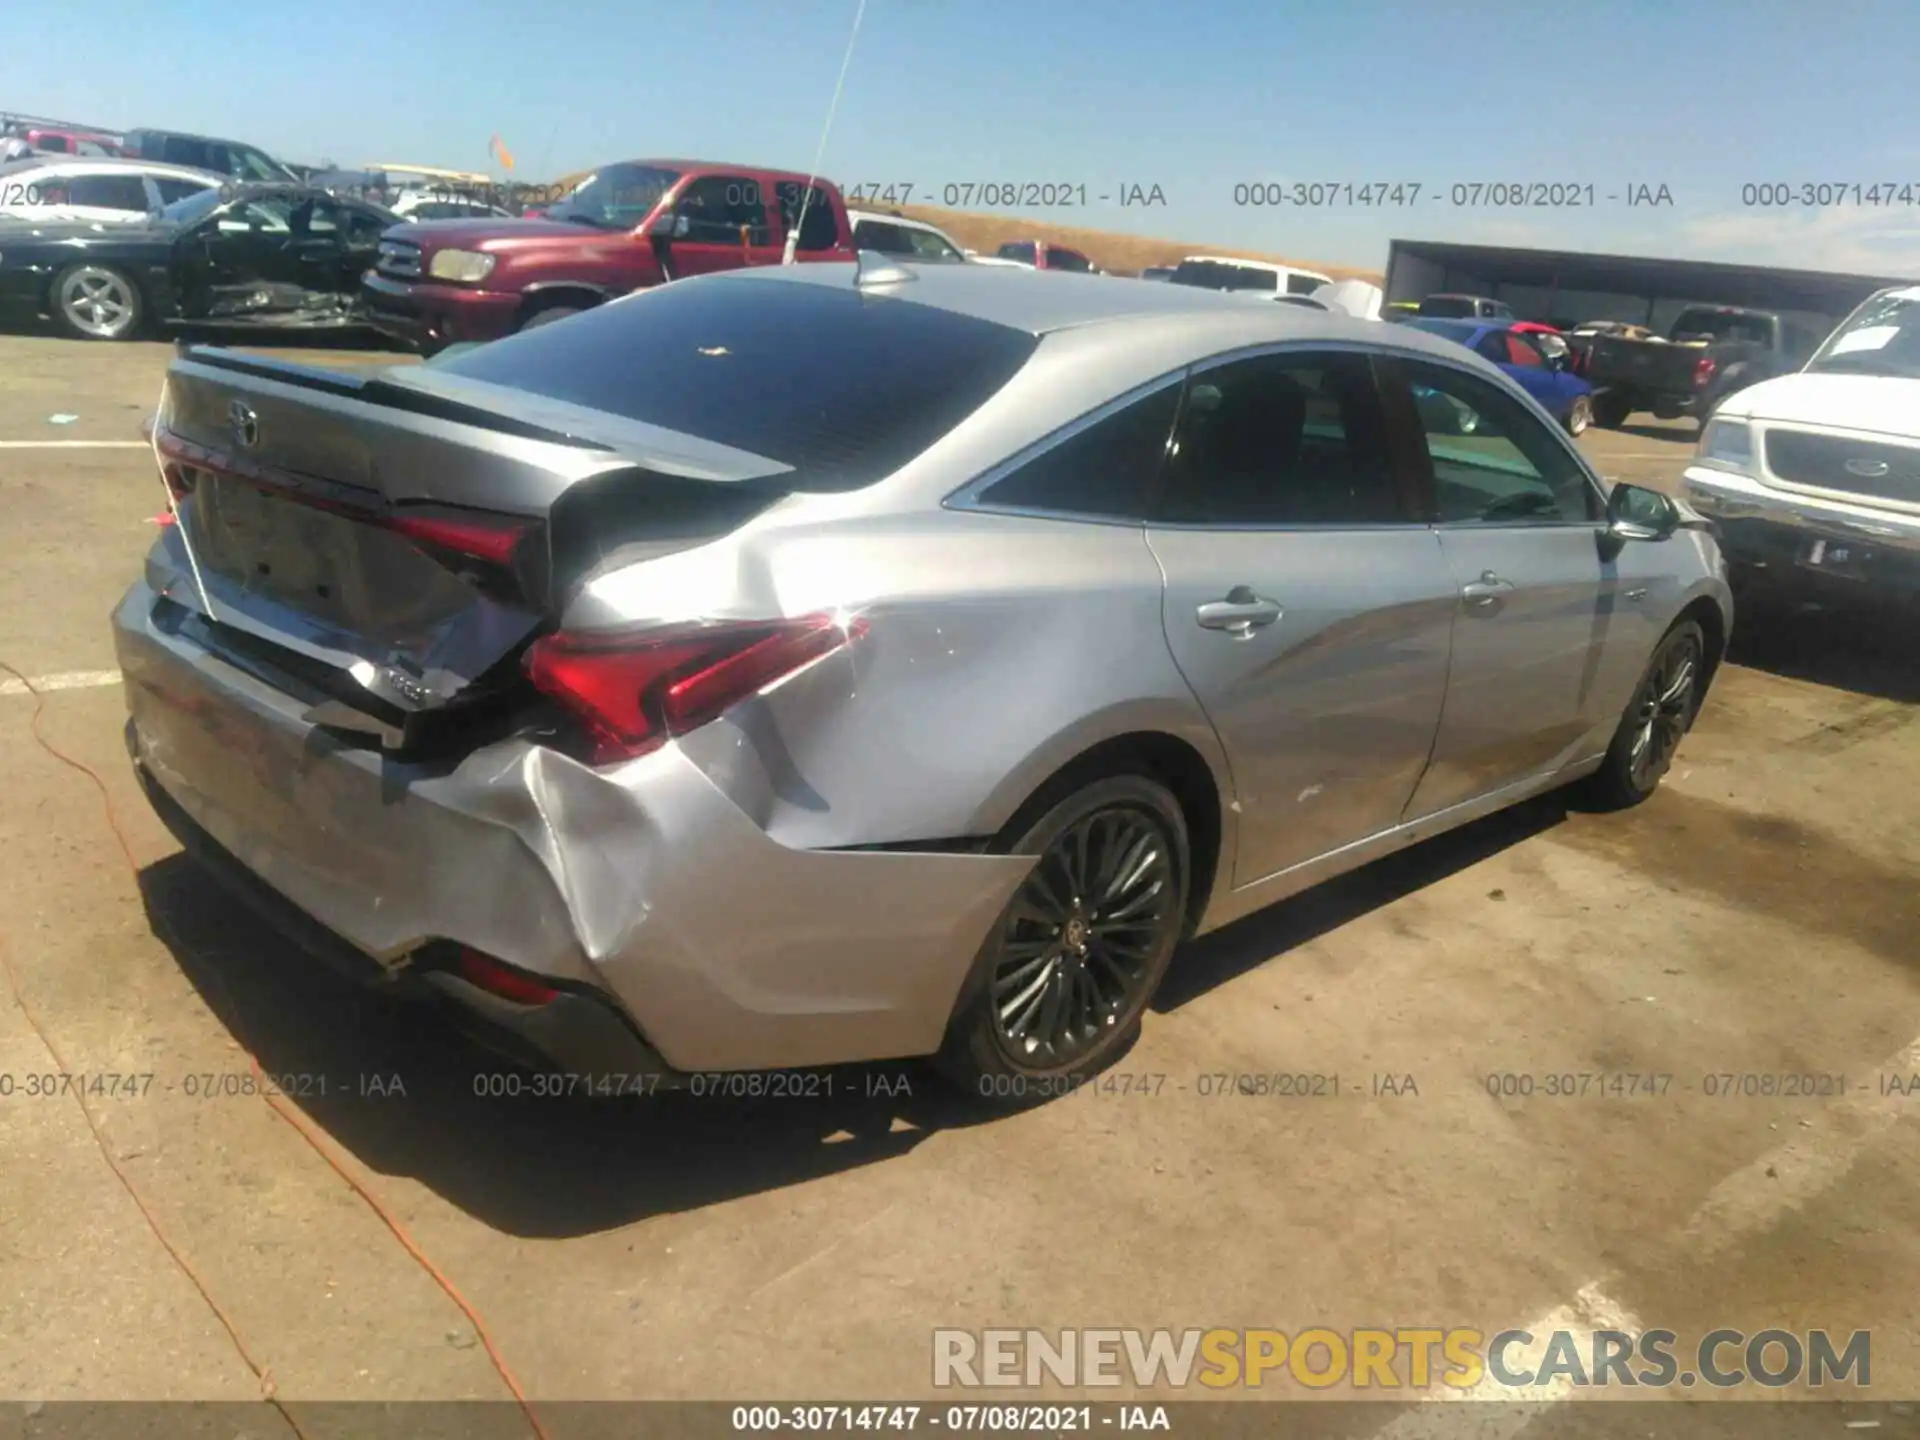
(1662,710)
(1016,1036)
(96,302)
(1579,415)
(1610,412)
(548,316)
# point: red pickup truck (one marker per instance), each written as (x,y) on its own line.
(625,227)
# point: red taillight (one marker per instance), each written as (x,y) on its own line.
(496,977)
(636,691)
(1703,369)
(479,538)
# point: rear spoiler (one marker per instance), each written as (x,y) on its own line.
(505,410)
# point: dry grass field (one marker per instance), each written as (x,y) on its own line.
(1118,254)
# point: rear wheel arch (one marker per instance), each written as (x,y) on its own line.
(1166,759)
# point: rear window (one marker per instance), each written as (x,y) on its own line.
(1022,250)
(1448,306)
(717,359)
(1724,328)
(1213,275)
(1301,284)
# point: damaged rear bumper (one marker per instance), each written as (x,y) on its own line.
(643,892)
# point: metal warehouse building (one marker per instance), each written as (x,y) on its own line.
(1565,287)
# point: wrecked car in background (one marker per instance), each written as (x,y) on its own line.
(626,227)
(267,256)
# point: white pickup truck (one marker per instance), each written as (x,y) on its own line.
(1815,475)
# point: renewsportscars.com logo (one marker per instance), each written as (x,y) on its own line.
(1400,1359)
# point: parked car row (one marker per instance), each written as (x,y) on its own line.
(1710,353)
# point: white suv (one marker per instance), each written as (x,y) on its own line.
(1224,272)
(1815,475)
(899,238)
(99,191)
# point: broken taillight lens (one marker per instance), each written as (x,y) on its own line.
(476,536)
(634,692)
(1703,369)
(496,977)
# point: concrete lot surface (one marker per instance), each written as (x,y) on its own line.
(1760,917)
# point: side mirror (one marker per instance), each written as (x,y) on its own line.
(668,226)
(1637,513)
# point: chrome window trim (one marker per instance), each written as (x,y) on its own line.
(967,496)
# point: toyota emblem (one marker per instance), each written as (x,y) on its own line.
(244,424)
(1867,469)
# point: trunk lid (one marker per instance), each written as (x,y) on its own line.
(392,539)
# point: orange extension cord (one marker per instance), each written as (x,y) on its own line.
(287,1113)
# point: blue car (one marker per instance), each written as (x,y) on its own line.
(1547,378)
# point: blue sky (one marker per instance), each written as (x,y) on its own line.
(1195,96)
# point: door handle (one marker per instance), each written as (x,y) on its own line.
(1487,594)
(1240,614)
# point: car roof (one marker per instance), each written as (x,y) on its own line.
(111,163)
(1469,329)
(1268,265)
(888,218)
(719,165)
(189,135)
(1200,322)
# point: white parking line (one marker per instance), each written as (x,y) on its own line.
(1751,1200)
(1791,1175)
(65,680)
(73,444)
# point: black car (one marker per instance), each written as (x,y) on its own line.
(248,164)
(282,257)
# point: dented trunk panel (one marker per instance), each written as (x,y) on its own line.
(296,474)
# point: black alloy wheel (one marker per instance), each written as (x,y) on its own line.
(1661,712)
(1059,986)
(1078,943)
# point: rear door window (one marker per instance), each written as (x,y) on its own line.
(1284,440)
(726,209)
(925,245)
(172,190)
(882,237)
(178,150)
(108,192)
(718,361)
(1298,284)
(819,226)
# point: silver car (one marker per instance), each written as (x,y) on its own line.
(808,665)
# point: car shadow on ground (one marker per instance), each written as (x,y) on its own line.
(527,1165)
(1211,961)
(1862,645)
(1679,436)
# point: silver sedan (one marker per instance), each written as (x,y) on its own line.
(835,663)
